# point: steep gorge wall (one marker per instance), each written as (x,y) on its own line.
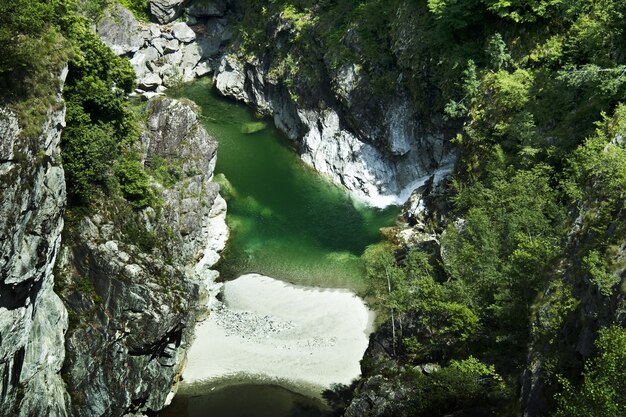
(132,283)
(375,147)
(135,282)
(33,319)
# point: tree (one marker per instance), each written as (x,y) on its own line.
(603,390)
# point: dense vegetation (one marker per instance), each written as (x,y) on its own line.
(39,38)
(536,89)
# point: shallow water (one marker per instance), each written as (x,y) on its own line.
(286,221)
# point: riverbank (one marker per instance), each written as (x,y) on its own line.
(304,338)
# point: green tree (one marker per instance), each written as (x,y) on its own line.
(603,390)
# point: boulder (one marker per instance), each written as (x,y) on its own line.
(182,32)
(120,31)
(230,79)
(191,56)
(171,45)
(166,11)
(202,69)
(150,82)
(143,59)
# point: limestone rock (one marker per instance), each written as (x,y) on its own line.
(191,57)
(182,32)
(125,354)
(150,82)
(230,79)
(166,11)
(202,69)
(143,61)
(32,319)
(120,31)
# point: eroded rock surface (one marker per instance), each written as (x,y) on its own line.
(135,282)
(32,318)
(374,147)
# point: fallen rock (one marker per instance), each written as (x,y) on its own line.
(202,69)
(171,45)
(150,82)
(141,60)
(182,32)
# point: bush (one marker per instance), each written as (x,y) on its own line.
(134,183)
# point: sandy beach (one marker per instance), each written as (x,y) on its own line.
(303,338)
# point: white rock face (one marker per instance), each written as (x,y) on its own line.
(182,32)
(230,79)
(299,337)
(368,172)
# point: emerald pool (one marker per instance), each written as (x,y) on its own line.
(285,220)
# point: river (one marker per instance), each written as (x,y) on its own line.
(285,222)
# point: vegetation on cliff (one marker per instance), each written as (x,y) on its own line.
(538,90)
(39,38)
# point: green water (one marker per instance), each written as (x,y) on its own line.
(285,220)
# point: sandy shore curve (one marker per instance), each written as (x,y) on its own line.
(303,338)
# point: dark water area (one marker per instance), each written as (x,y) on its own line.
(247,400)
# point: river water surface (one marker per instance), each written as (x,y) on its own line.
(286,222)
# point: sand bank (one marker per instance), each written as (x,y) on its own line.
(301,337)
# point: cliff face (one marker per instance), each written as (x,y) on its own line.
(135,282)
(132,282)
(376,147)
(33,319)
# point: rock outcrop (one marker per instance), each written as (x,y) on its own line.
(374,147)
(164,55)
(135,283)
(33,319)
(166,11)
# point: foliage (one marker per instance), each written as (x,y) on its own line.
(462,384)
(600,277)
(603,390)
(140,8)
(134,182)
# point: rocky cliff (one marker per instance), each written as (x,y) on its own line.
(375,147)
(165,55)
(135,282)
(33,319)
